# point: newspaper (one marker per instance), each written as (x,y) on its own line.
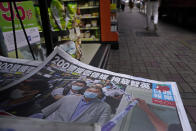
(13,69)
(24,124)
(58,90)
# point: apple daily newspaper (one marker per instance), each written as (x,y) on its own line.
(13,69)
(123,103)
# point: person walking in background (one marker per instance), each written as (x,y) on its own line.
(131,4)
(152,8)
(118,4)
(122,4)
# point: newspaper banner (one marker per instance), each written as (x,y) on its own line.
(64,89)
(13,69)
(162,94)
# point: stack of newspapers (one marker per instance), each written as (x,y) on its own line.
(64,93)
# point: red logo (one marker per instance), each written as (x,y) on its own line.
(162,88)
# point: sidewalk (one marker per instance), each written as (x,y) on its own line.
(170,56)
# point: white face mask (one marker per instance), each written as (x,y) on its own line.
(89,81)
(76,88)
(91,95)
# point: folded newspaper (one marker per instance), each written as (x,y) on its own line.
(63,89)
(13,69)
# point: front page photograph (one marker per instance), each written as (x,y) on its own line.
(13,69)
(63,89)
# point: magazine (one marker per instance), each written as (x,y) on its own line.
(63,89)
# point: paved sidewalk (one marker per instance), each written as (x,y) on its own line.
(169,57)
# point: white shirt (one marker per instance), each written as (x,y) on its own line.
(111,92)
(59,91)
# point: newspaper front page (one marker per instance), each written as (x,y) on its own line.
(63,89)
(13,69)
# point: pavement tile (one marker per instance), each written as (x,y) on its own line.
(180,89)
(172,70)
(153,75)
(136,69)
(188,96)
(122,71)
(192,111)
(166,64)
(191,120)
(124,62)
(192,66)
(141,74)
(164,69)
(186,88)
(176,77)
(188,102)
(193,126)
(143,69)
(162,77)
(147,59)
(153,69)
(162,58)
(188,77)
(193,85)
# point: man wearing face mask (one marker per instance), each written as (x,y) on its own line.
(79,109)
(77,88)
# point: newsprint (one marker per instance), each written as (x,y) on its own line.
(13,69)
(65,90)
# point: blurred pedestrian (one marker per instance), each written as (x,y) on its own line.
(152,9)
(131,4)
(122,4)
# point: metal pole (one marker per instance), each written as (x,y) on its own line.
(13,28)
(46,25)
(24,30)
